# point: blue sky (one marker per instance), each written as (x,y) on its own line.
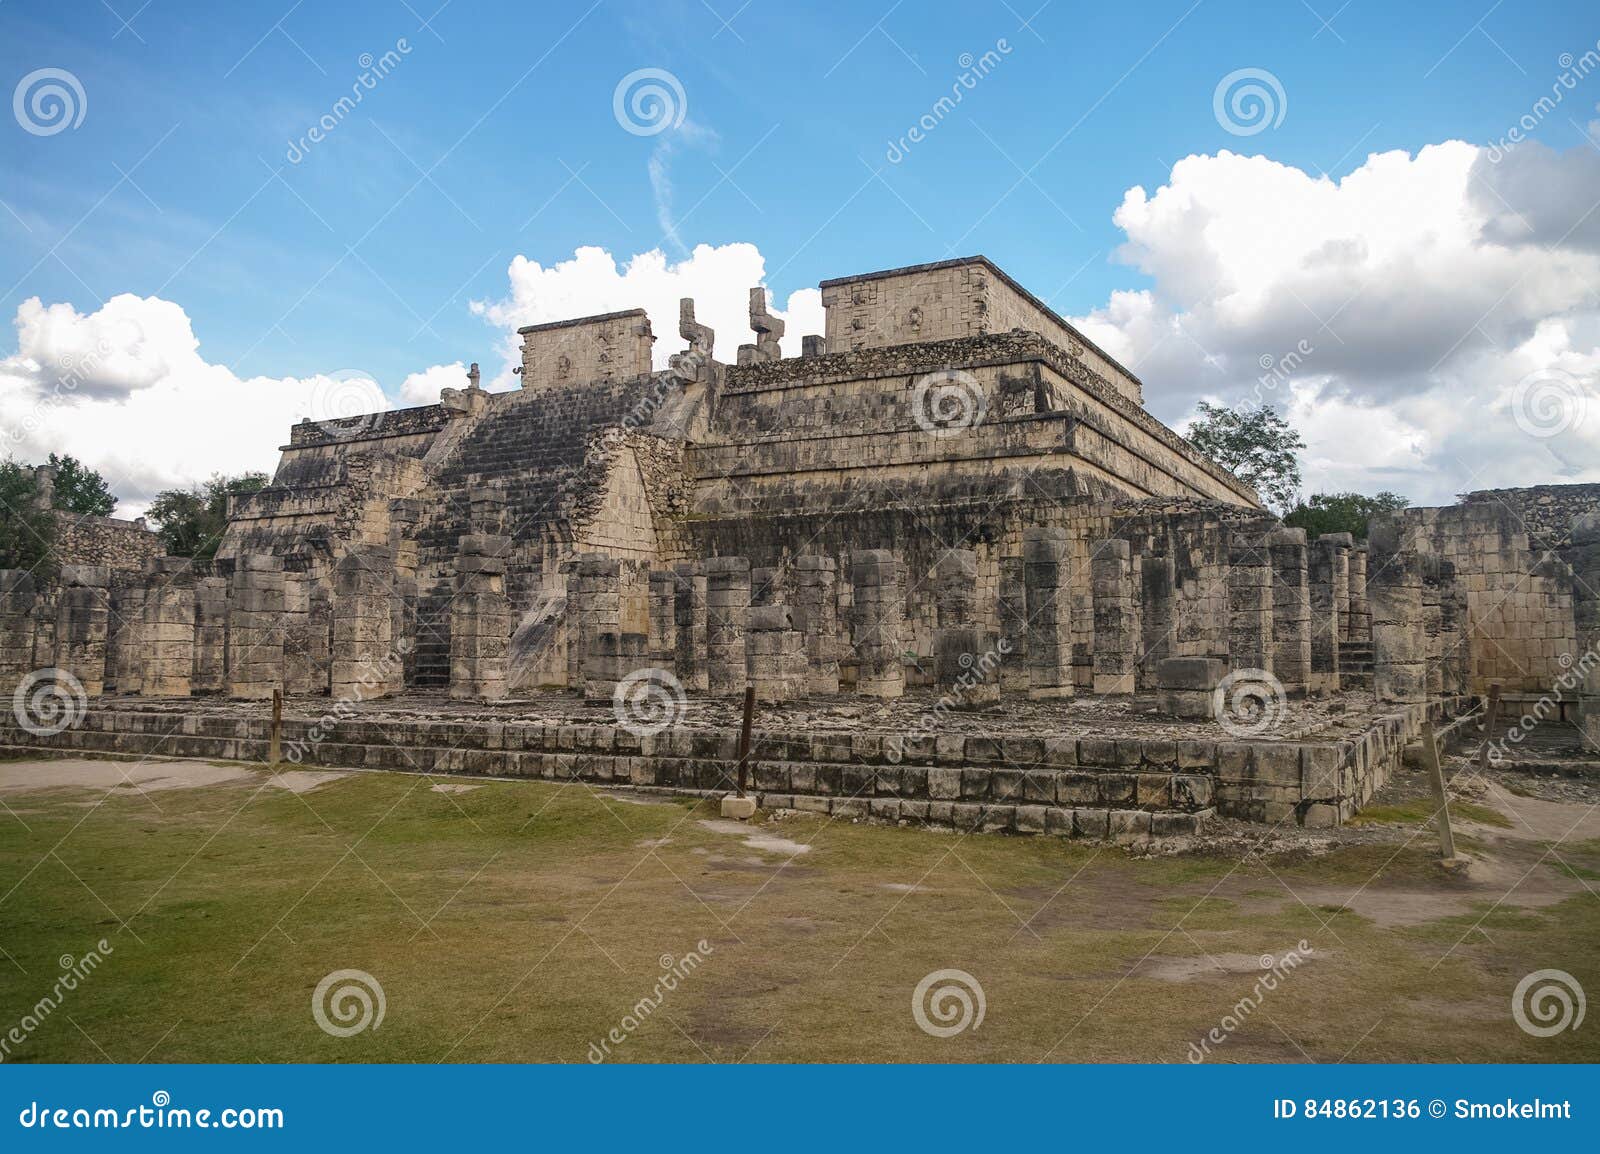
(494,135)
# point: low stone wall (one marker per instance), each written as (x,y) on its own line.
(1087,786)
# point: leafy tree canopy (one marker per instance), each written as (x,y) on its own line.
(191,521)
(1342,512)
(80,489)
(1256,445)
(27,534)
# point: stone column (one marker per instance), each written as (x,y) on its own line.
(879,614)
(256,625)
(125,657)
(1394,593)
(17,596)
(967,660)
(1442,624)
(298,677)
(480,619)
(612,656)
(594,606)
(1049,609)
(727,611)
(364,664)
(167,635)
(1249,602)
(1116,617)
(816,617)
(689,624)
(1328,578)
(776,661)
(1584,557)
(1013,612)
(1158,624)
(1291,609)
(1358,621)
(82,614)
(663,629)
(210,636)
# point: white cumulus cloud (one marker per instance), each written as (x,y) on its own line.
(1412,301)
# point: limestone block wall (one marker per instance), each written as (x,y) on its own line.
(956,298)
(109,541)
(606,348)
(1520,612)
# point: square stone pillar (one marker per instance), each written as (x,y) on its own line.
(1358,620)
(1584,557)
(1328,582)
(689,625)
(210,636)
(364,663)
(256,626)
(480,619)
(17,596)
(167,635)
(727,612)
(1116,617)
(967,659)
(1291,609)
(82,615)
(298,674)
(1158,620)
(816,616)
(125,650)
(1399,639)
(1249,602)
(878,586)
(594,606)
(1049,608)
(612,656)
(663,628)
(1443,622)
(1013,614)
(776,659)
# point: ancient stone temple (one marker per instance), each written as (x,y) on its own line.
(950,525)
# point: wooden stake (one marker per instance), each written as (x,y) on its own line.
(1430,759)
(744,734)
(1493,715)
(274,736)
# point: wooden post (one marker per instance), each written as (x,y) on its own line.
(1430,759)
(744,734)
(1493,714)
(275,735)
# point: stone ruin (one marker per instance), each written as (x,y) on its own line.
(1050,612)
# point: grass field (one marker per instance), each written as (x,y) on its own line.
(524,921)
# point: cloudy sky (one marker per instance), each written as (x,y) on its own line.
(1383,220)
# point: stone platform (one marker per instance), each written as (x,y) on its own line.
(1089,769)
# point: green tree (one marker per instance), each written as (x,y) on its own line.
(1342,512)
(191,521)
(27,533)
(1256,445)
(80,489)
